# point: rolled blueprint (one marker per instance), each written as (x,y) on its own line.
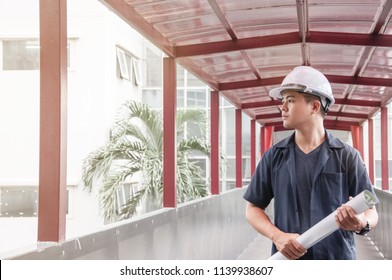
(326,226)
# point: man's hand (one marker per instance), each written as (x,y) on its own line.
(348,220)
(288,245)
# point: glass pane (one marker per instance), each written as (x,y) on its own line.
(180,98)
(193,81)
(180,76)
(21,55)
(153,98)
(18,202)
(196,98)
(153,71)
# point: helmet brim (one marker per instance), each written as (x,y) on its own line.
(277,92)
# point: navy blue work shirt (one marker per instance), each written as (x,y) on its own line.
(339,174)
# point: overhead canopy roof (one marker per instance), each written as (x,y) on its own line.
(243,48)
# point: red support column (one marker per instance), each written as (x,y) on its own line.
(252,146)
(52,194)
(262,141)
(360,144)
(355,136)
(371,150)
(238,148)
(215,142)
(384,149)
(268,133)
(169,132)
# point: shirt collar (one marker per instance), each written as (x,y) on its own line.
(332,141)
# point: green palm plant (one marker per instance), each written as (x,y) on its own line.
(136,145)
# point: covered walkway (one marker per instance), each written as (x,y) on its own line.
(240,49)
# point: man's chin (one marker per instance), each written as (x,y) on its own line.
(286,125)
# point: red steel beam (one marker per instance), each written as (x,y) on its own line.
(222,18)
(366,81)
(347,115)
(261,104)
(237,45)
(238,148)
(52,194)
(169,132)
(262,133)
(266,133)
(383,17)
(330,113)
(357,102)
(338,101)
(252,146)
(371,150)
(361,142)
(339,125)
(384,149)
(355,136)
(268,116)
(214,142)
(373,40)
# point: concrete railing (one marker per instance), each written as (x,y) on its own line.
(214,227)
(382,234)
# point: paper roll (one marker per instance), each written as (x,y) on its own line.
(326,226)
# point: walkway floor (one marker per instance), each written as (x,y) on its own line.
(260,248)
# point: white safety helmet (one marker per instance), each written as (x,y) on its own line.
(306,79)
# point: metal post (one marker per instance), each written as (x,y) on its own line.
(238,148)
(52,194)
(169,132)
(252,146)
(371,150)
(215,142)
(384,149)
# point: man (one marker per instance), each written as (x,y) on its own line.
(309,175)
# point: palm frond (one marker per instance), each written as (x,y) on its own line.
(98,163)
(129,208)
(193,115)
(109,189)
(138,120)
(195,144)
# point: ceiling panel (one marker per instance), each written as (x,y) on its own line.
(245,48)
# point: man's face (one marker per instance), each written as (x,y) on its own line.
(296,111)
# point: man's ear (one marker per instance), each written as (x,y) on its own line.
(316,106)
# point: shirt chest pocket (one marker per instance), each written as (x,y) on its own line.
(332,189)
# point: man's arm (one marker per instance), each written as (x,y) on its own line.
(286,243)
(348,220)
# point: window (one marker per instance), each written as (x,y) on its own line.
(21,55)
(18,202)
(123,64)
(152,70)
(136,70)
(22,201)
(24,54)
(129,68)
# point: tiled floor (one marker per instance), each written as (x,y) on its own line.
(260,249)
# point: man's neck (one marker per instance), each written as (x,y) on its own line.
(309,139)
